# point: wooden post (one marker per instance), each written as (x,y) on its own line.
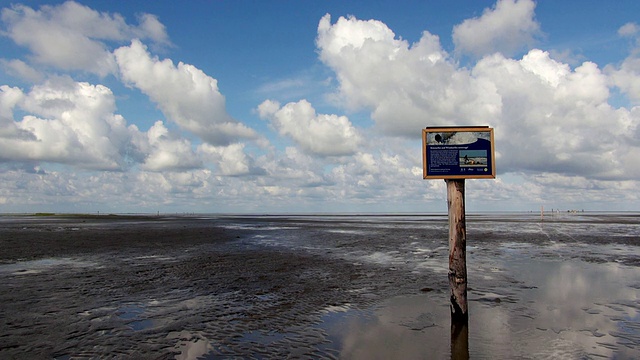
(457,251)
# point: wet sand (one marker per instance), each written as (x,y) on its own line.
(187,287)
(139,287)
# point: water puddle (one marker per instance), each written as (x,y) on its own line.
(38,266)
(190,346)
(550,309)
(135,317)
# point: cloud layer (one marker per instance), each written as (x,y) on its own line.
(548,117)
(62,140)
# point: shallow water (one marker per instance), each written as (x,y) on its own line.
(564,287)
(359,287)
(549,310)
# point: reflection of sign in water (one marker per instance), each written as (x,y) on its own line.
(458,153)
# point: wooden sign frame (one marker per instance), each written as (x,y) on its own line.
(458,153)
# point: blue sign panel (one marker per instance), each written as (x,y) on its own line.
(458,153)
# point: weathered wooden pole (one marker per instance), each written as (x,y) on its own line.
(457,251)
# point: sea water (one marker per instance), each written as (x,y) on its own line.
(562,286)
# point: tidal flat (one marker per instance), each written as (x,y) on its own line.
(317,286)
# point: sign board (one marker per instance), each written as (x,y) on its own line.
(458,153)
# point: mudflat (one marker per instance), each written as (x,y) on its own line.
(148,287)
(353,287)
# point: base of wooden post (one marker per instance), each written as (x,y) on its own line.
(458,315)
(459,341)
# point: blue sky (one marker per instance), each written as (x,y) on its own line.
(315,106)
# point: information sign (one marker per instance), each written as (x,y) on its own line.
(458,153)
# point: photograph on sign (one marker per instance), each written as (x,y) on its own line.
(458,153)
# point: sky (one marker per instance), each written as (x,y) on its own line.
(314,106)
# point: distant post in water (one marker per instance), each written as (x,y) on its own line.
(455,154)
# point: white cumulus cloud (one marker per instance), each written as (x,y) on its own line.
(185,94)
(167,151)
(506,28)
(629,29)
(548,117)
(68,122)
(626,76)
(21,69)
(406,87)
(319,134)
(231,160)
(558,120)
(71,36)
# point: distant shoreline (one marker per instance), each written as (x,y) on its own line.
(108,215)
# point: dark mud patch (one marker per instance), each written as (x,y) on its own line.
(156,288)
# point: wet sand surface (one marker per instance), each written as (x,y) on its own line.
(357,287)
